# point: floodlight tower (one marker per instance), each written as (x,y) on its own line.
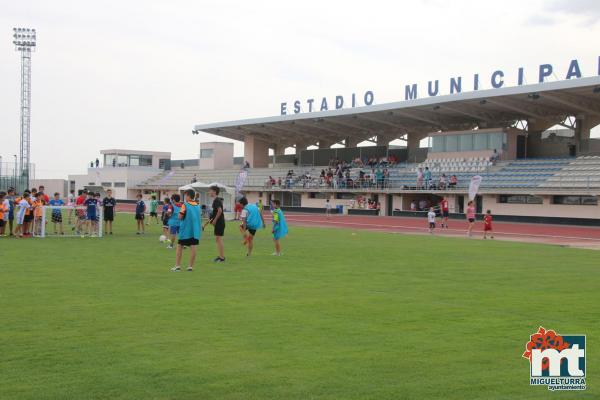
(24,40)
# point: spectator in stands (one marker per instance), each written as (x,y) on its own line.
(422,205)
(495,156)
(427,177)
(386,178)
(442,183)
(453,182)
(379,177)
(182,165)
(194,179)
(114,162)
(279,182)
(97,163)
(246,165)
(419,178)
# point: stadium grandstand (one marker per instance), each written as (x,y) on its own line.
(530,144)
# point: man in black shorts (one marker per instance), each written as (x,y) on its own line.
(217,219)
(108,207)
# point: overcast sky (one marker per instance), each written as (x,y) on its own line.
(140,74)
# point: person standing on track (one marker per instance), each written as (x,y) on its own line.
(470,217)
(445,212)
(487,225)
(327,209)
(431,219)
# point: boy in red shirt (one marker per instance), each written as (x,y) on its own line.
(487,225)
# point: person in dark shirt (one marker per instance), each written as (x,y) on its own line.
(108,205)
(90,212)
(140,209)
(217,219)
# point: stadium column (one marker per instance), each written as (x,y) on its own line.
(256,152)
(412,144)
(349,142)
(583,127)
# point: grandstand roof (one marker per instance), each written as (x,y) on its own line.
(482,108)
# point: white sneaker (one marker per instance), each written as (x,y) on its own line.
(170,246)
(176,269)
(276,254)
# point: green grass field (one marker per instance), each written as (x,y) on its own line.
(339,316)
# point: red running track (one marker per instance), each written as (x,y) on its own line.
(568,235)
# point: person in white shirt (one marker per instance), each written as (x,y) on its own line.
(22,206)
(431,219)
(327,208)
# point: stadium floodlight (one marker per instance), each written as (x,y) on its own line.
(25,42)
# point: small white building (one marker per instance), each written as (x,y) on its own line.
(121,171)
(216,155)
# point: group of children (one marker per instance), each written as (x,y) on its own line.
(23,215)
(182,223)
(470,215)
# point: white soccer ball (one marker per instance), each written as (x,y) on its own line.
(162,238)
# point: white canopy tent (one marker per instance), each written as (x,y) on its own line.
(227,193)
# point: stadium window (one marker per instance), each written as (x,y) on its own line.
(451,143)
(589,200)
(465,142)
(206,153)
(496,141)
(520,199)
(345,196)
(108,159)
(480,141)
(438,143)
(119,184)
(106,184)
(296,199)
(134,160)
(145,161)
(575,200)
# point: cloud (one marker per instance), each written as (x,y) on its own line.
(541,20)
(586,10)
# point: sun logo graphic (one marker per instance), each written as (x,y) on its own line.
(556,361)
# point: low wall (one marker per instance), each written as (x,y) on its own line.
(362,211)
(513,218)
